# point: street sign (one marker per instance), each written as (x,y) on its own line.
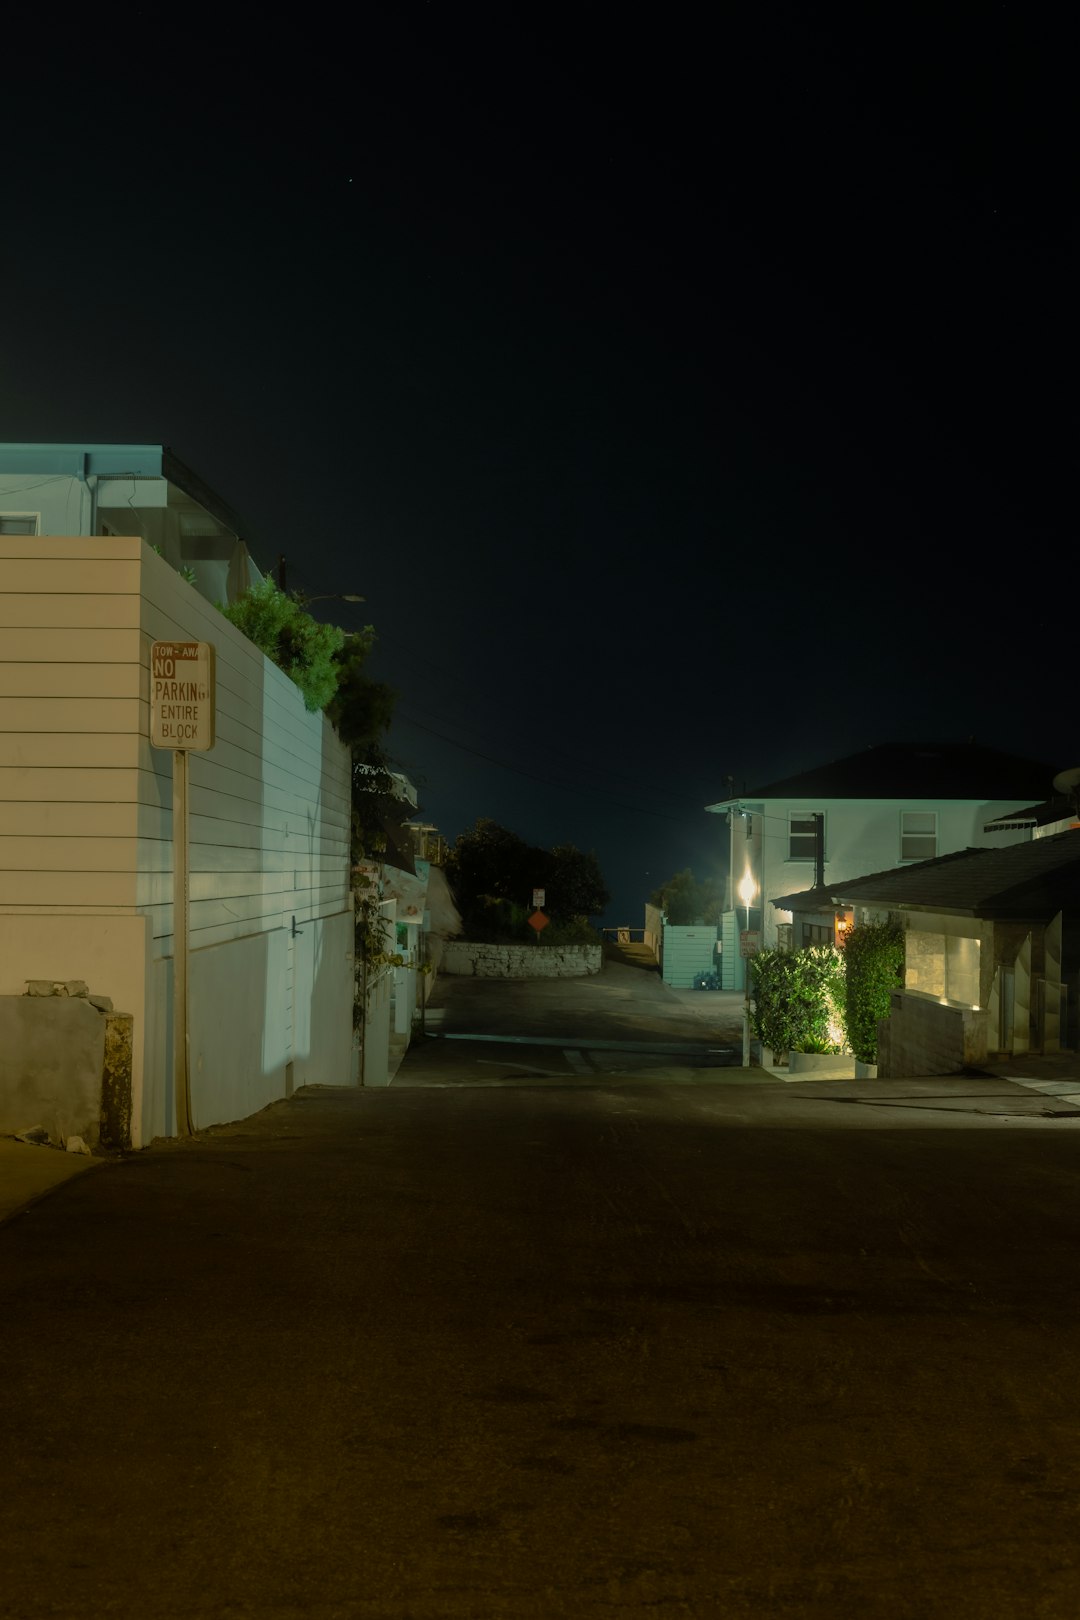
(538,897)
(182,695)
(538,921)
(750,942)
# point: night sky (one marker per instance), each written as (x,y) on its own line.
(685,403)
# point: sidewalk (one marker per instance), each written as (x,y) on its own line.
(27,1173)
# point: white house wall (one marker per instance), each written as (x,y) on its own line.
(62,503)
(86,829)
(861,836)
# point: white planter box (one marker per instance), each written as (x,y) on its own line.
(822,1065)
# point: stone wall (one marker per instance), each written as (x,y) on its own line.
(921,1036)
(462,958)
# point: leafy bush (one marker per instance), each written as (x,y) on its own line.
(490,867)
(799,998)
(298,644)
(874,968)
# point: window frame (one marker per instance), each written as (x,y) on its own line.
(911,860)
(811,835)
(33,519)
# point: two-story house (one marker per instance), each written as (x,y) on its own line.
(886,806)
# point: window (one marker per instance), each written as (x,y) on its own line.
(18,523)
(817,934)
(918,835)
(802,836)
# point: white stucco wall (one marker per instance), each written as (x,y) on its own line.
(861,836)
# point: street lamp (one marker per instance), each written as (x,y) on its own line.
(747,891)
(331,596)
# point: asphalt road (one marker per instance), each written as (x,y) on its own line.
(580,1349)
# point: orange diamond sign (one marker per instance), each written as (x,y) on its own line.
(538,921)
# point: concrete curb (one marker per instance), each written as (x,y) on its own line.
(29,1173)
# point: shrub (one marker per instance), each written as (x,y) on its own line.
(874,968)
(799,998)
(298,644)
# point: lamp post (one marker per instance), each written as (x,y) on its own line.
(331,596)
(747,891)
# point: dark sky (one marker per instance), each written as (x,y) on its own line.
(684,403)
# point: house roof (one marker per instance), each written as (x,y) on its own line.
(908,771)
(1058,808)
(1033,880)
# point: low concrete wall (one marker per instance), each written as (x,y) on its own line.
(463,958)
(65,1065)
(922,1036)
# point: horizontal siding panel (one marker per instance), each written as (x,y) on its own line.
(78,547)
(214,922)
(88,645)
(240,897)
(27,819)
(272,746)
(90,576)
(97,680)
(71,714)
(235,812)
(69,749)
(70,854)
(59,783)
(207,773)
(78,612)
(86,811)
(273,839)
(267,779)
(69,890)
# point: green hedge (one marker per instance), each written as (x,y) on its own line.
(799,999)
(874,962)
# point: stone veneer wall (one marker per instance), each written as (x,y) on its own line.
(921,1036)
(463,958)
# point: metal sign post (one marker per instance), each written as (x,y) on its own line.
(749,945)
(181,719)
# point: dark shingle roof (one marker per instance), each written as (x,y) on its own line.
(916,771)
(1033,880)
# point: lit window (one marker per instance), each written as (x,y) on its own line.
(918,835)
(802,836)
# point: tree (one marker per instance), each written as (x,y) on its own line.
(574,884)
(493,873)
(686,900)
(489,863)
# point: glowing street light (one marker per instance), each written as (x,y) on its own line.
(747,891)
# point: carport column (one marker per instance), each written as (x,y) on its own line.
(181,922)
